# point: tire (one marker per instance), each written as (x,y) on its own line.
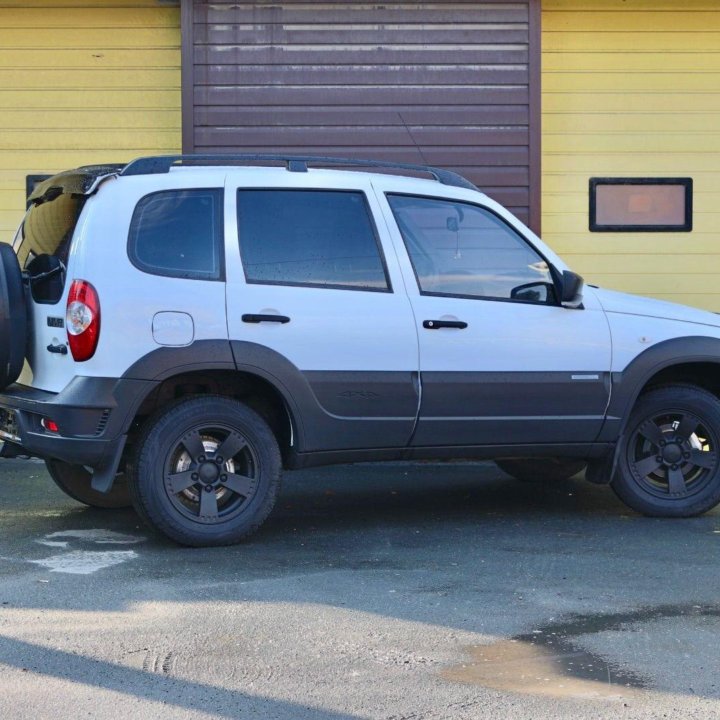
(185,483)
(669,458)
(541,469)
(13,317)
(74,480)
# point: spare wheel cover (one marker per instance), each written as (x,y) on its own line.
(13,317)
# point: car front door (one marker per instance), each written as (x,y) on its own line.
(317,305)
(502,362)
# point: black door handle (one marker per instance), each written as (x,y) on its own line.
(59,349)
(435,324)
(250,318)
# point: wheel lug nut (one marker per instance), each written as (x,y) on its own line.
(659,458)
(674,467)
(201,458)
(686,455)
(194,476)
(208,488)
(663,443)
(219,460)
(223,478)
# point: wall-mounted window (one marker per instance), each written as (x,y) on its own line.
(641,204)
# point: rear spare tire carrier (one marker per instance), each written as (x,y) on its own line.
(13,317)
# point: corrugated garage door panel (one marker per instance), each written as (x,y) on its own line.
(83,81)
(444,83)
(633,91)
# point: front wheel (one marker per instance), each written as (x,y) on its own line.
(669,461)
(207,471)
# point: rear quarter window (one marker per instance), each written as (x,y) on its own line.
(178,233)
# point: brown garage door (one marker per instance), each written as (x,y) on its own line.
(443,83)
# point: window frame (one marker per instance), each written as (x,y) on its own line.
(218,239)
(554,274)
(686,183)
(322,286)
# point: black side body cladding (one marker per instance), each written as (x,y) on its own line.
(336,416)
(339,410)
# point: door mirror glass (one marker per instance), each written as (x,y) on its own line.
(571,290)
(538,292)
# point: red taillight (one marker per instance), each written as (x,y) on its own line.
(82,320)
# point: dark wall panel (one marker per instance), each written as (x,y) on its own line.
(442,83)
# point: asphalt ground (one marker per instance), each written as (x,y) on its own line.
(389,591)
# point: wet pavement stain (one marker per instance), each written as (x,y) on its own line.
(549,660)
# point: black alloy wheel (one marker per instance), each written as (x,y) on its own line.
(669,464)
(206,472)
(211,474)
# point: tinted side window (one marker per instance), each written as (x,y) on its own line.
(178,233)
(461,249)
(309,237)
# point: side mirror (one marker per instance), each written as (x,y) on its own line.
(571,286)
(537,292)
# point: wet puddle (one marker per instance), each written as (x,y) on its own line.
(549,661)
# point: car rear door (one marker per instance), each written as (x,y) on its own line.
(316,303)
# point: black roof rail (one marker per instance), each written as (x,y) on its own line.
(294,163)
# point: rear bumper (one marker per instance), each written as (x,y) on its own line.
(93,416)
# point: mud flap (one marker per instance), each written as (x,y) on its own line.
(104,476)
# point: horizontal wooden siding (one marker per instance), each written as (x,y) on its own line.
(443,83)
(633,89)
(83,82)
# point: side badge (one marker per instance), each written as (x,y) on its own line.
(358,395)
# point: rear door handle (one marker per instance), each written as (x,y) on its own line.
(250,318)
(436,324)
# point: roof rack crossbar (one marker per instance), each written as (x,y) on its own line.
(294,163)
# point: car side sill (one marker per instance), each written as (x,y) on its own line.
(297,461)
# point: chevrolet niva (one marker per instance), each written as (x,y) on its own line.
(176,331)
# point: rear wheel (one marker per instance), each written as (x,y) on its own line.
(540,469)
(74,480)
(13,317)
(669,460)
(207,471)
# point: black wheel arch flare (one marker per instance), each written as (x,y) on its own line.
(630,382)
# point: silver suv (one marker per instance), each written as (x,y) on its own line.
(175,331)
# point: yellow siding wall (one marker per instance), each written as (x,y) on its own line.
(83,81)
(632,88)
